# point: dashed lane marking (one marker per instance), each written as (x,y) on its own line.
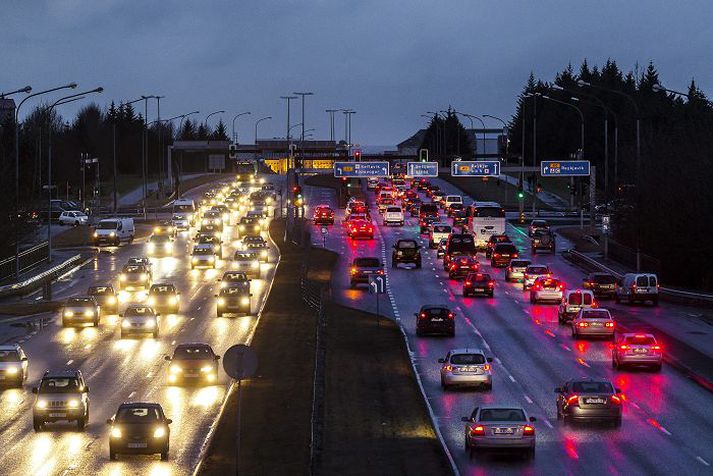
(69,362)
(528,399)
(547,422)
(702,461)
(512,379)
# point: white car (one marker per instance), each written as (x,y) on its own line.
(438,231)
(74,218)
(393,215)
(139,319)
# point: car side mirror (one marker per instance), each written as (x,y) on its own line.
(109,421)
(168,421)
(215,295)
(415,314)
(24,359)
(618,390)
(441,361)
(121,314)
(217,357)
(86,389)
(251,294)
(558,390)
(533,419)
(35,390)
(167,357)
(489,359)
(465,419)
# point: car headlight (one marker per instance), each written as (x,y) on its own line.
(115,432)
(263,253)
(125,323)
(96,235)
(175,369)
(68,314)
(221,301)
(151,323)
(73,403)
(144,277)
(88,313)
(112,234)
(41,404)
(245,301)
(211,258)
(111,300)
(173,300)
(12,370)
(257,227)
(151,301)
(242,227)
(122,277)
(167,246)
(216,248)
(206,369)
(159,432)
(194,260)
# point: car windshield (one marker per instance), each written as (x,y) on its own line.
(441,229)
(539,223)
(505,248)
(519,263)
(244,256)
(596,314)
(59,385)
(99,290)
(79,300)
(429,208)
(502,414)
(489,212)
(640,340)
(367,262)
(538,270)
(407,244)
(248,220)
(393,210)
(138,311)
(500,238)
(107,225)
(162,289)
(138,415)
(134,268)
(9,356)
(183,208)
(193,353)
(234,277)
(481,278)
(160,239)
(604,279)
(592,387)
(208,239)
(577,299)
(202,251)
(234,290)
(467,359)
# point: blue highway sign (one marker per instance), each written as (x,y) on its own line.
(422,169)
(565,168)
(361,169)
(480,168)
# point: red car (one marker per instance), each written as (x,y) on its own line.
(460,266)
(323,215)
(360,229)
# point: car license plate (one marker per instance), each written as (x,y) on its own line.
(436,319)
(58,415)
(191,374)
(640,351)
(137,445)
(505,256)
(642,291)
(503,431)
(596,324)
(367,272)
(595,401)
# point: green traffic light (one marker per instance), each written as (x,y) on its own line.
(520,194)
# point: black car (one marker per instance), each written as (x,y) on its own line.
(193,362)
(480,284)
(406,251)
(494,240)
(502,254)
(441,250)
(164,298)
(542,240)
(589,399)
(139,428)
(603,285)
(460,218)
(106,298)
(435,319)
(234,299)
(537,225)
(212,240)
(362,268)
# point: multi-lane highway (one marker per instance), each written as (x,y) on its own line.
(667,418)
(119,370)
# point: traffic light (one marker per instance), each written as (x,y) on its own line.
(296,189)
(520,193)
(357,155)
(539,188)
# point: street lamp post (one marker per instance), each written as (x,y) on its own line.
(482,123)
(258,122)
(507,145)
(26,89)
(348,126)
(17,164)
(180,124)
(302,139)
(64,100)
(235,135)
(288,99)
(205,124)
(331,122)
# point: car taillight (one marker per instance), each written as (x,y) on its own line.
(537,287)
(595,304)
(477,430)
(422,315)
(380,271)
(453,266)
(486,367)
(491,284)
(354,270)
(582,324)
(615,399)
(514,255)
(450,315)
(354,229)
(561,287)
(510,269)
(609,324)
(624,347)
(656,348)
(468,283)
(496,255)
(474,266)
(448,368)
(528,430)
(573,400)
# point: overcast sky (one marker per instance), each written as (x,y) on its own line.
(389,60)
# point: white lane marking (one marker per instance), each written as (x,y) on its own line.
(528,399)
(131,395)
(192,318)
(635,405)
(198,308)
(497,359)
(702,461)
(173,342)
(69,362)
(512,379)
(665,431)
(566,348)
(547,422)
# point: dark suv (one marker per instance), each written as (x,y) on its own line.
(61,396)
(589,399)
(502,254)
(234,299)
(362,268)
(139,428)
(542,240)
(603,285)
(406,251)
(435,319)
(494,240)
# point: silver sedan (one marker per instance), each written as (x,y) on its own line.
(593,323)
(499,428)
(466,367)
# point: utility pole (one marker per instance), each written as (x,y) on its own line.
(302,138)
(288,98)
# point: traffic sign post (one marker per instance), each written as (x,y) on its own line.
(422,169)
(475,168)
(361,169)
(565,168)
(423,155)
(239,362)
(325,231)
(377,286)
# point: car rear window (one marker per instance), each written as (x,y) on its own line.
(193,353)
(367,262)
(505,248)
(441,229)
(604,279)
(596,314)
(393,210)
(640,340)
(502,414)
(519,263)
(437,312)
(97,290)
(592,387)
(646,281)
(537,270)
(467,359)
(480,278)
(162,289)
(9,356)
(138,311)
(407,244)
(577,299)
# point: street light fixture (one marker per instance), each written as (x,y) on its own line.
(26,89)
(235,135)
(180,124)
(17,163)
(289,99)
(257,123)
(331,122)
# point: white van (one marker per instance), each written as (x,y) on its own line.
(453,199)
(393,215)
(638,287)
(112,231)
(186,208)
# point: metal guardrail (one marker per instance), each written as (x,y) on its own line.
(28,259)
(33,282)
(677,295)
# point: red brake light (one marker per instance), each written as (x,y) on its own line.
(422,315)
(496,255)
(624,347)
(656,347)
(528,430)
(450,315)
(573,400)
(491,284)
(616,399)
(582,324)
(354,269)
(468,283)
(486,367)
(477,430)
(453,266)
(381,271)
(448,368)
(609,324)
(514,255)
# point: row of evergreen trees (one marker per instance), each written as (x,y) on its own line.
(669,201)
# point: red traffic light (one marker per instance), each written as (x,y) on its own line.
(296,189)
(357,154)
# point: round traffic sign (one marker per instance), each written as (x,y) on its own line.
(240,362)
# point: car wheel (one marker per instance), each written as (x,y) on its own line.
(155,335)
(37,424)
(112,455)
(419,333)
(531,453)
(452,333)
(559,413)
(488,387)
(471,453)
(532,299)
(617,423)
(492,294)
(655,302)
(96,322)
(164,455)
(466,445)
(574,333)
(82,423)
(657,368)
(534,251)
(76,223)
(418,265)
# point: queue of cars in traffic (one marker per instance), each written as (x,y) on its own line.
(447,224)
(139,300)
